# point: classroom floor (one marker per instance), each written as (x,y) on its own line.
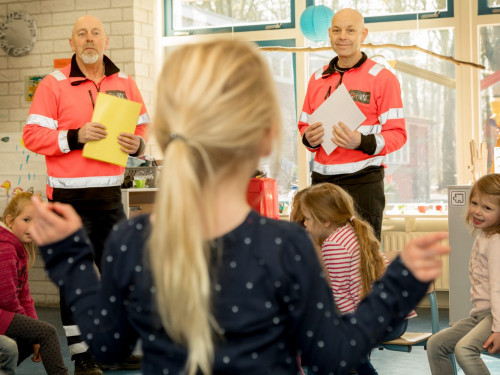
(51,315)
(386,362)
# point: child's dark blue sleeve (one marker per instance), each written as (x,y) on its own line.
(99,307)
(328,342)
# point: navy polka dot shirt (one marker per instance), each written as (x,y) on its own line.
(270,299)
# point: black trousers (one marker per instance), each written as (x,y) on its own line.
(369,198)
(98,225)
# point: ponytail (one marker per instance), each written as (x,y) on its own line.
(372,265)
(179,257)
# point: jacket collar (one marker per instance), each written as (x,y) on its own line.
(78,77)
(332,66)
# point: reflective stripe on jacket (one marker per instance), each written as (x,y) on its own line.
(377,93)
(64,101)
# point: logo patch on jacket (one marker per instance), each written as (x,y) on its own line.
(117,93)
(360,96)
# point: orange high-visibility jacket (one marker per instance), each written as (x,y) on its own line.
(62,104)
(377,93)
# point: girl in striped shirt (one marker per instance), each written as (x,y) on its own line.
(350,251)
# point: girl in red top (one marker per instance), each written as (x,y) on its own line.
(18,319)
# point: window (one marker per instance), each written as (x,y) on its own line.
(421,170)
(392,10)
(489,44)
(184,17)
(282,66)
(488,6)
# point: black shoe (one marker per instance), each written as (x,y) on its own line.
(131,363)
(85,364)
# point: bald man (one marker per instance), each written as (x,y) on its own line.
(357,163)
(58,126)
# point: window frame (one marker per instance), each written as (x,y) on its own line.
(284,43)
(449,13)
(168,29)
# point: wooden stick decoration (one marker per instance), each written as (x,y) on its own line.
(370,45)
(483,159)
(472,166)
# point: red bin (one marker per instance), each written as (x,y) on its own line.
(262,196)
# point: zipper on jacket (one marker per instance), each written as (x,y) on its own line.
(91,96)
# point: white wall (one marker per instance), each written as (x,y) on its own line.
(131,26)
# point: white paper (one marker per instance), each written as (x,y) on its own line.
(338,107)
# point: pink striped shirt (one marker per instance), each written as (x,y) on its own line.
(342,257)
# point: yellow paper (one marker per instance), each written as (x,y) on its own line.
(117,115)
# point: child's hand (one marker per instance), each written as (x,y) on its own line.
(36,353)
(492,345)
(53,221)
(421,256)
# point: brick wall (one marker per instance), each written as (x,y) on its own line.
(132,29)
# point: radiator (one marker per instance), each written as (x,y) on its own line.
(393,241)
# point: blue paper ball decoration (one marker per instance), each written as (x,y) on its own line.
(315,21)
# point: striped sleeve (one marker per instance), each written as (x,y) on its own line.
(41,133)
(341,256)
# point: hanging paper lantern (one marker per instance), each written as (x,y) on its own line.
(315,21)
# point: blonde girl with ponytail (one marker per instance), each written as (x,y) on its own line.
(213,126)
(209,285)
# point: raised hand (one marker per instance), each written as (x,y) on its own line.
(53,221)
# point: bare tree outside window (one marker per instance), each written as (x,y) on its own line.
(370,8)
(223,13)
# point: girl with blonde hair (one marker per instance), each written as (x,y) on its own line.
(18,318)
(210,286)
(468,337)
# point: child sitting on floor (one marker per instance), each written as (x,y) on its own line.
(18,319)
